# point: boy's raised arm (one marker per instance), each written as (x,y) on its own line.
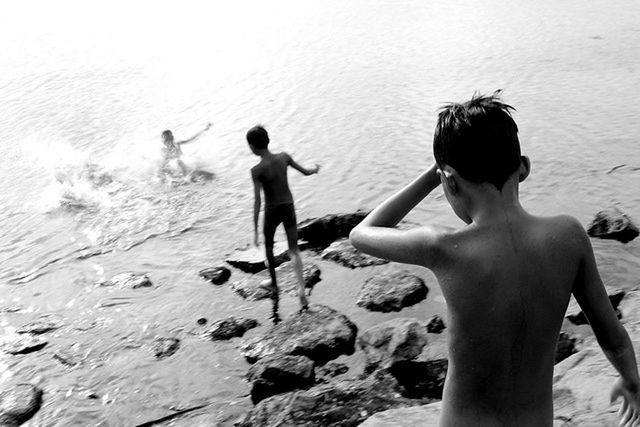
(301,169)
(375,235)
(614,340)
(257,201)
(196,136)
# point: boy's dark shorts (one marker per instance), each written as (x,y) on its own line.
(276,214)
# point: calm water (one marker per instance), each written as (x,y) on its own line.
(354,86)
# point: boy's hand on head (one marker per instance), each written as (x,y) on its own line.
(629,411)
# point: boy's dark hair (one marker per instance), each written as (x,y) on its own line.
(258,137)
(478,138)
(167,134)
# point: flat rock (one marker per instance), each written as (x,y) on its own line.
(22,344)
(249,288)
(18,404)
(435,325)
(391,342)
(215,275)
(252,259)
(230,327)
(392,292)
(613,224)
(128,281)
(279,374)
(165,347)
(320,333)
(320,232)
(344,403)
(342,252)
(576,316)
(415,416)
(326,373)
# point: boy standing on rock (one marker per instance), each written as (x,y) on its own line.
(506,276)
(270,176)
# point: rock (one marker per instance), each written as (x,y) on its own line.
(613,224)
(340,404)
(320,333)
(252,259)
(391,342)
(22,344)
(392,292)
(165,347)
(331,370)
(577,317)
(416,416)
(128,281)
(18,404)
(230,327)
(343,253)
(435,325)
(279,374)
(38,327)
(566,347)
(216,275)
(250,288)
(320,232)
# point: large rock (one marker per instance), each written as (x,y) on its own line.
(216,275)
(577,317)
(22,344)
(320,232)
(128,281)
(320,333)
(165,347)
(251,289)
(252,259)
(231,327)
(279,374)
(18,404)
(392,292)
(391,342)
(613,224)
(415,416)
(344,403)
(342,252)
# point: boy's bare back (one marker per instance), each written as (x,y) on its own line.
(271,172)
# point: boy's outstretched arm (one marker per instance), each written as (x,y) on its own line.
(614,340)
(375,235)
(257,201)
(301,169)
(196,136)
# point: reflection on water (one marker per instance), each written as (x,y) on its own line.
(87,88)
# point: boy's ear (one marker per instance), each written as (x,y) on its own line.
(525,168)
(447,177)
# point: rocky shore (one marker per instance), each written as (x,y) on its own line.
(296,370)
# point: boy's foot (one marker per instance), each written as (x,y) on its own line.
(269,286)
(304,304)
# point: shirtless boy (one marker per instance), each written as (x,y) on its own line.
(506,276)
(173,151)
(270,176)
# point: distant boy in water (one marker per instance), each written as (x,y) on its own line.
(270,175)
(506,276)
(172,150)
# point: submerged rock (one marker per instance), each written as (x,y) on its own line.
(251,289)
(22,344)
(279,374)
(18,404)
(39,327)
(320,333)
(165,347)
(252,259)
(230,327)
(320,232)
(435,325)
(613,224)
(391,342)
(216,275)
(577,317)
(392,292)
(339,404)
(342,252)
(128,281)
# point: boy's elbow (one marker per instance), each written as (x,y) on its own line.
(355,237)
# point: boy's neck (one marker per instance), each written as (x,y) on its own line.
(263,152)
(486,204)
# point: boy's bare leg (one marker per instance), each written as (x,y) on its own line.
(296,259)
(271,265)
